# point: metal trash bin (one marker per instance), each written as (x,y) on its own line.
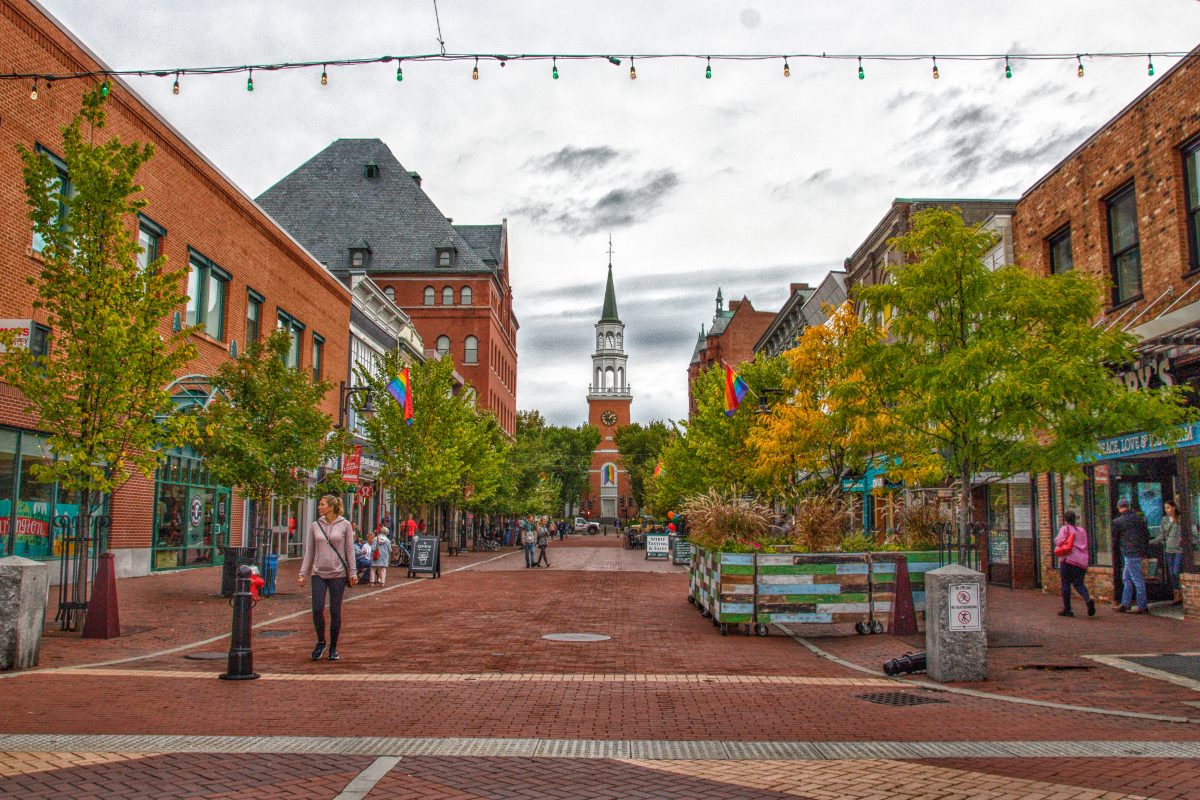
(234,558)
(270,571)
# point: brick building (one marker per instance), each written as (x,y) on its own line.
(1125,207)
(730,339)
(804,309)
(246,277)
(357,208)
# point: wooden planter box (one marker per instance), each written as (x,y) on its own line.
(803,588)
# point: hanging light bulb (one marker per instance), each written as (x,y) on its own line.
(1079,71)
(324,76)
(1007,68)
(787,71)
(104,89)
(861,75)
(632,70)
(935,69)
(1149,65)
(554,71)
(250,82)
(708,68)
(33,91)
(475,72)
(175,87)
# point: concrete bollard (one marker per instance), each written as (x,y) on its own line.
(24,592)
(955,624)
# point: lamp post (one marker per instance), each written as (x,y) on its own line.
(764,404)
(367,409)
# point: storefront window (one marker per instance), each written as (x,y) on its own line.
(35,502)
(998,524)
(1101,530)
(8,487)
(192,514)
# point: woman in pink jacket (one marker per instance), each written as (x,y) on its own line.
(1073,564)
(328,554)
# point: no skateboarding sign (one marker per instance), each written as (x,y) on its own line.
(964,607)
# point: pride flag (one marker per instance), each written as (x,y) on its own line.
(400,388)
(735,390)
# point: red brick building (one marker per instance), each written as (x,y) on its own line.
(251,274)
(730,339)
(358,209)
(1125,206)
(609,495)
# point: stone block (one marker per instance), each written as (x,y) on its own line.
(956,624)
(24,592)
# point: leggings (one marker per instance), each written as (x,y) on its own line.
(336,587)
(1072,576)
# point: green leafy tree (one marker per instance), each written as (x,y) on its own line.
(640,447)
(264,430)
(101,390)
(998,369)
(569,456)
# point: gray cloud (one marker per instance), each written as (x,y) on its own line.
(576,160)
(617,208)
(790,189)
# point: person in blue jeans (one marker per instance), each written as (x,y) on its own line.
(1130,529)
(528,539)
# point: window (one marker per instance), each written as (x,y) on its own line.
(64,189)
(295,330)
(318,354)
(149,234)
(447,296)
(390,293)
(1125,251)
(465,296)
(443,345)
(254,303)
(1061,259)
(207,284)
(357,258)
(430,296)
(1191,169)
(471,350)
(445,256)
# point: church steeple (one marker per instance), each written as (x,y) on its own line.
(609,314)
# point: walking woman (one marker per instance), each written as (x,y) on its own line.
(328,553)
(1170,537)
(1071,546)
(381,554)
(543,541)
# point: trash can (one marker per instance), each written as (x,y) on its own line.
(270,570)
(234,558)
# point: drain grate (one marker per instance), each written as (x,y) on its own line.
(898,699)
(274,634)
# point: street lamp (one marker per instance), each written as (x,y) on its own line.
(344,394)
(763,394)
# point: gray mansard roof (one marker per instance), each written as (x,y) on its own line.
(329,204)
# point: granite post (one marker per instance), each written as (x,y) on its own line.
(24,593)
(955,624)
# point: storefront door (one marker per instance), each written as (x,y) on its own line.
(1146,486)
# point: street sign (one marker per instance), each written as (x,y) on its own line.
(657,546)
(965,614)
(426,557)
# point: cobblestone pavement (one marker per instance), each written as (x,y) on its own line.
(446,688)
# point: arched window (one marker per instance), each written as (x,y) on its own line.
(621,378)
(599,341)
(609,341)
(390,292)
(447,296)
(443,345)
(620,343)
(471,350)
(465,296)
(597,384)
(429,296)
(609,379)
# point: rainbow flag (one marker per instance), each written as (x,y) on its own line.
(735,390)
(400,388)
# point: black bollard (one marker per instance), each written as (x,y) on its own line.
(241,657)
(907,663)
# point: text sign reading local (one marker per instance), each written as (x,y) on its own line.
(964,607)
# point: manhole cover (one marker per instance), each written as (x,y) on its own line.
(1186,666)
(576,637)
(206,656)
(275,634)
(898,699)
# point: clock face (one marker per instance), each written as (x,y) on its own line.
(608,418)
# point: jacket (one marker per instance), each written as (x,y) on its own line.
(1079,551)
(384,546)
(322,559)
(1169,536)
(1131,531)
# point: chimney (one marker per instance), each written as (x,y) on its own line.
(416,176)
(795,287)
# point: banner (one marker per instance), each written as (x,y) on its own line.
(352,466)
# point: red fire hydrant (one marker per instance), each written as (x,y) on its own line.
(256,583)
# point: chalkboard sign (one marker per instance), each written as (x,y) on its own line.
(683,552)
(426,556)
(657,546)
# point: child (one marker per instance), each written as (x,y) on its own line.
(381,553)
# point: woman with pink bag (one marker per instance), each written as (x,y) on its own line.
(1071,547)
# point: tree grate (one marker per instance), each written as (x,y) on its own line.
(274,634)
(898,699)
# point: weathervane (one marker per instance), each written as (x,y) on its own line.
(610,250)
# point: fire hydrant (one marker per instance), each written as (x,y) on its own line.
(256,583)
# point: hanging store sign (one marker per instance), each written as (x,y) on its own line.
(1132,444)
(1148,373)
(20,330)
(352,466)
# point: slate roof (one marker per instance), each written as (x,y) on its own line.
(328,204)
(609,312)
(486,240)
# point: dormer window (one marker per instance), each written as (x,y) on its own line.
(445,256)
(360,254)
(371,170)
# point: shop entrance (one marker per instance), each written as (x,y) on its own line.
(1146,482)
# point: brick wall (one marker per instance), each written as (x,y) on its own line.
(1190,583)
(733,345)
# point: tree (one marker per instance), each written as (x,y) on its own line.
(264,430)
(641,447)
(569,456)
(1000,369)
(102,388)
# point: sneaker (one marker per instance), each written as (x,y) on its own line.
(1091,604)
(1122,609)
(1138,611)
(318,650)
(333,654)
(1066,612)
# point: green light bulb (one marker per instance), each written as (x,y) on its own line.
(861,75)
(554,70)
(250,83)
(708,70)
(1007,70)
(104,89)
(1150,66)
(399,73)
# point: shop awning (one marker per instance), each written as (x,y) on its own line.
(1178,328)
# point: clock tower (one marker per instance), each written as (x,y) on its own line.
(609,397)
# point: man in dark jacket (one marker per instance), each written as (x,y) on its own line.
(1130,529)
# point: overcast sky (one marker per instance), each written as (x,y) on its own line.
(745,182)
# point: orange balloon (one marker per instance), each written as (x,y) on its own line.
(670,515)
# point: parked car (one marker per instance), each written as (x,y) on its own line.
(584,526)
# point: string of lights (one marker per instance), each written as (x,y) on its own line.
(1010,61)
